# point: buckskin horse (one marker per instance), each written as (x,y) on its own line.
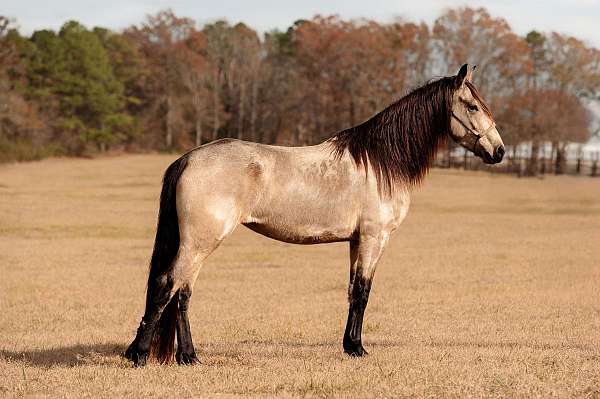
(353,187)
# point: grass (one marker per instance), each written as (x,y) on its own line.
(489,289)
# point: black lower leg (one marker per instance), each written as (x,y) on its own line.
(157,297)
(185,346)
(358,303)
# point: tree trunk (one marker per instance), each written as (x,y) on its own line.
(217,85)
(198,106)
(240,129)
(198,132)
(317,107)
(253,110)
(169,136)
(352,107)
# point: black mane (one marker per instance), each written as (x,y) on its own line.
(400,142)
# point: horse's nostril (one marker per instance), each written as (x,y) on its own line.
(499,153)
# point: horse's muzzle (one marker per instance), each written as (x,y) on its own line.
(491,159)
(499,153)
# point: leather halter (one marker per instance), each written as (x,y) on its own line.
(474,133)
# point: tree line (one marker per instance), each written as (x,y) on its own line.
(168,84)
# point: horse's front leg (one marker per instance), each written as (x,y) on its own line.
(364,255)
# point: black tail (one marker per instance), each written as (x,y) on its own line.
(166,245)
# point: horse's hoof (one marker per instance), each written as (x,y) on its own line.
(138,359)
(187,359)
(357,351)
(129,352)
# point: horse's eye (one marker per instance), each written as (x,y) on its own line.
(472,108)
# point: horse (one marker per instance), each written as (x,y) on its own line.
(353,187)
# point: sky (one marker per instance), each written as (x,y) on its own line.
(580,18)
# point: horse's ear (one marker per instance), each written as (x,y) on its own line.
(462,75)
(469,77)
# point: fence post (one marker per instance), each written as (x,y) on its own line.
(515,162)
(560,163)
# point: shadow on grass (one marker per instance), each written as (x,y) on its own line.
(110,354)
(74,355)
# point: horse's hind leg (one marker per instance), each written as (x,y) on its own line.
(158,298)
(199,244)
(167,307)
(186,354)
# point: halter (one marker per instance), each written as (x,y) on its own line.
(474,133)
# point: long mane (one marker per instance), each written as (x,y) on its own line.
(399,143)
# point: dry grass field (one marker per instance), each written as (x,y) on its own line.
(491,288)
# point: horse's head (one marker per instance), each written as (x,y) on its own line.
(472,124)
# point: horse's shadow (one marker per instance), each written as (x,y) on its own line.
(73,355)
(111,353)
